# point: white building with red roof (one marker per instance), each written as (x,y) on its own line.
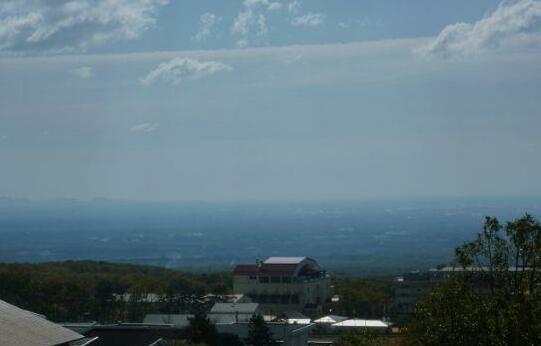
(284,284)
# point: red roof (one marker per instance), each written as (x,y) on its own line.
(265,268)
(245,269)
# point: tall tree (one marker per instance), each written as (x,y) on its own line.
(259,333)
(497,299)
(365,339)
(201,330)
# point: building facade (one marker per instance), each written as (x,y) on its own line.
(411,287)
(284,284)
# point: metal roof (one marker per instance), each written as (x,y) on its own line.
(292,315)
(331,319)
(279,330)
(362,323)
(178,320)
(20,327)
(79,327)
(277,266)
(284,260)
(232,308)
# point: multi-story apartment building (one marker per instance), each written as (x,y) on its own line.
(284,284)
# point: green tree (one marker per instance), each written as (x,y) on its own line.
(497,298)
(365,339)
(201,330)
(227,339)
(259,333)
(454,314)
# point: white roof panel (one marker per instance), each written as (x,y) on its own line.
(331,319)
(361,323)
(284,260)
(299,321)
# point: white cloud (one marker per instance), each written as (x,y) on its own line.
(274,6)
(252,19)
(144,128)
(511,25)
(293,7)
(72,25)
(261,23)
(84,72)
(206,22)
(179,69)
(309,19)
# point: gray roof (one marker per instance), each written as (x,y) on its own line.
(292,314)
(232,308)
(79,327)
(178,320)
(19,327)
(279,330)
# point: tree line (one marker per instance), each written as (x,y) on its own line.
(89,290)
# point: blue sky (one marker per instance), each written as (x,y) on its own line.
(261,99)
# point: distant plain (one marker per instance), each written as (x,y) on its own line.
(364,238)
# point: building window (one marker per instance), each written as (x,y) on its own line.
(286,279)
(264,279)
(275,279)
(252,277)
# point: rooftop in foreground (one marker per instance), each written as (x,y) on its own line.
(20,327)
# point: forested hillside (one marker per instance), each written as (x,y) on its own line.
(86,290)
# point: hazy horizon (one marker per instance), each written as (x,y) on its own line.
(511,199)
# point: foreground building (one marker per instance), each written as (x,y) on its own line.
(20,327)
(284,284)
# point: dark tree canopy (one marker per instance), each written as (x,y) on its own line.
(201,330)
(259,333)
(365,339)
(496,300)
(88,290)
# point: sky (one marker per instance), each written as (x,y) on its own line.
(176,100)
